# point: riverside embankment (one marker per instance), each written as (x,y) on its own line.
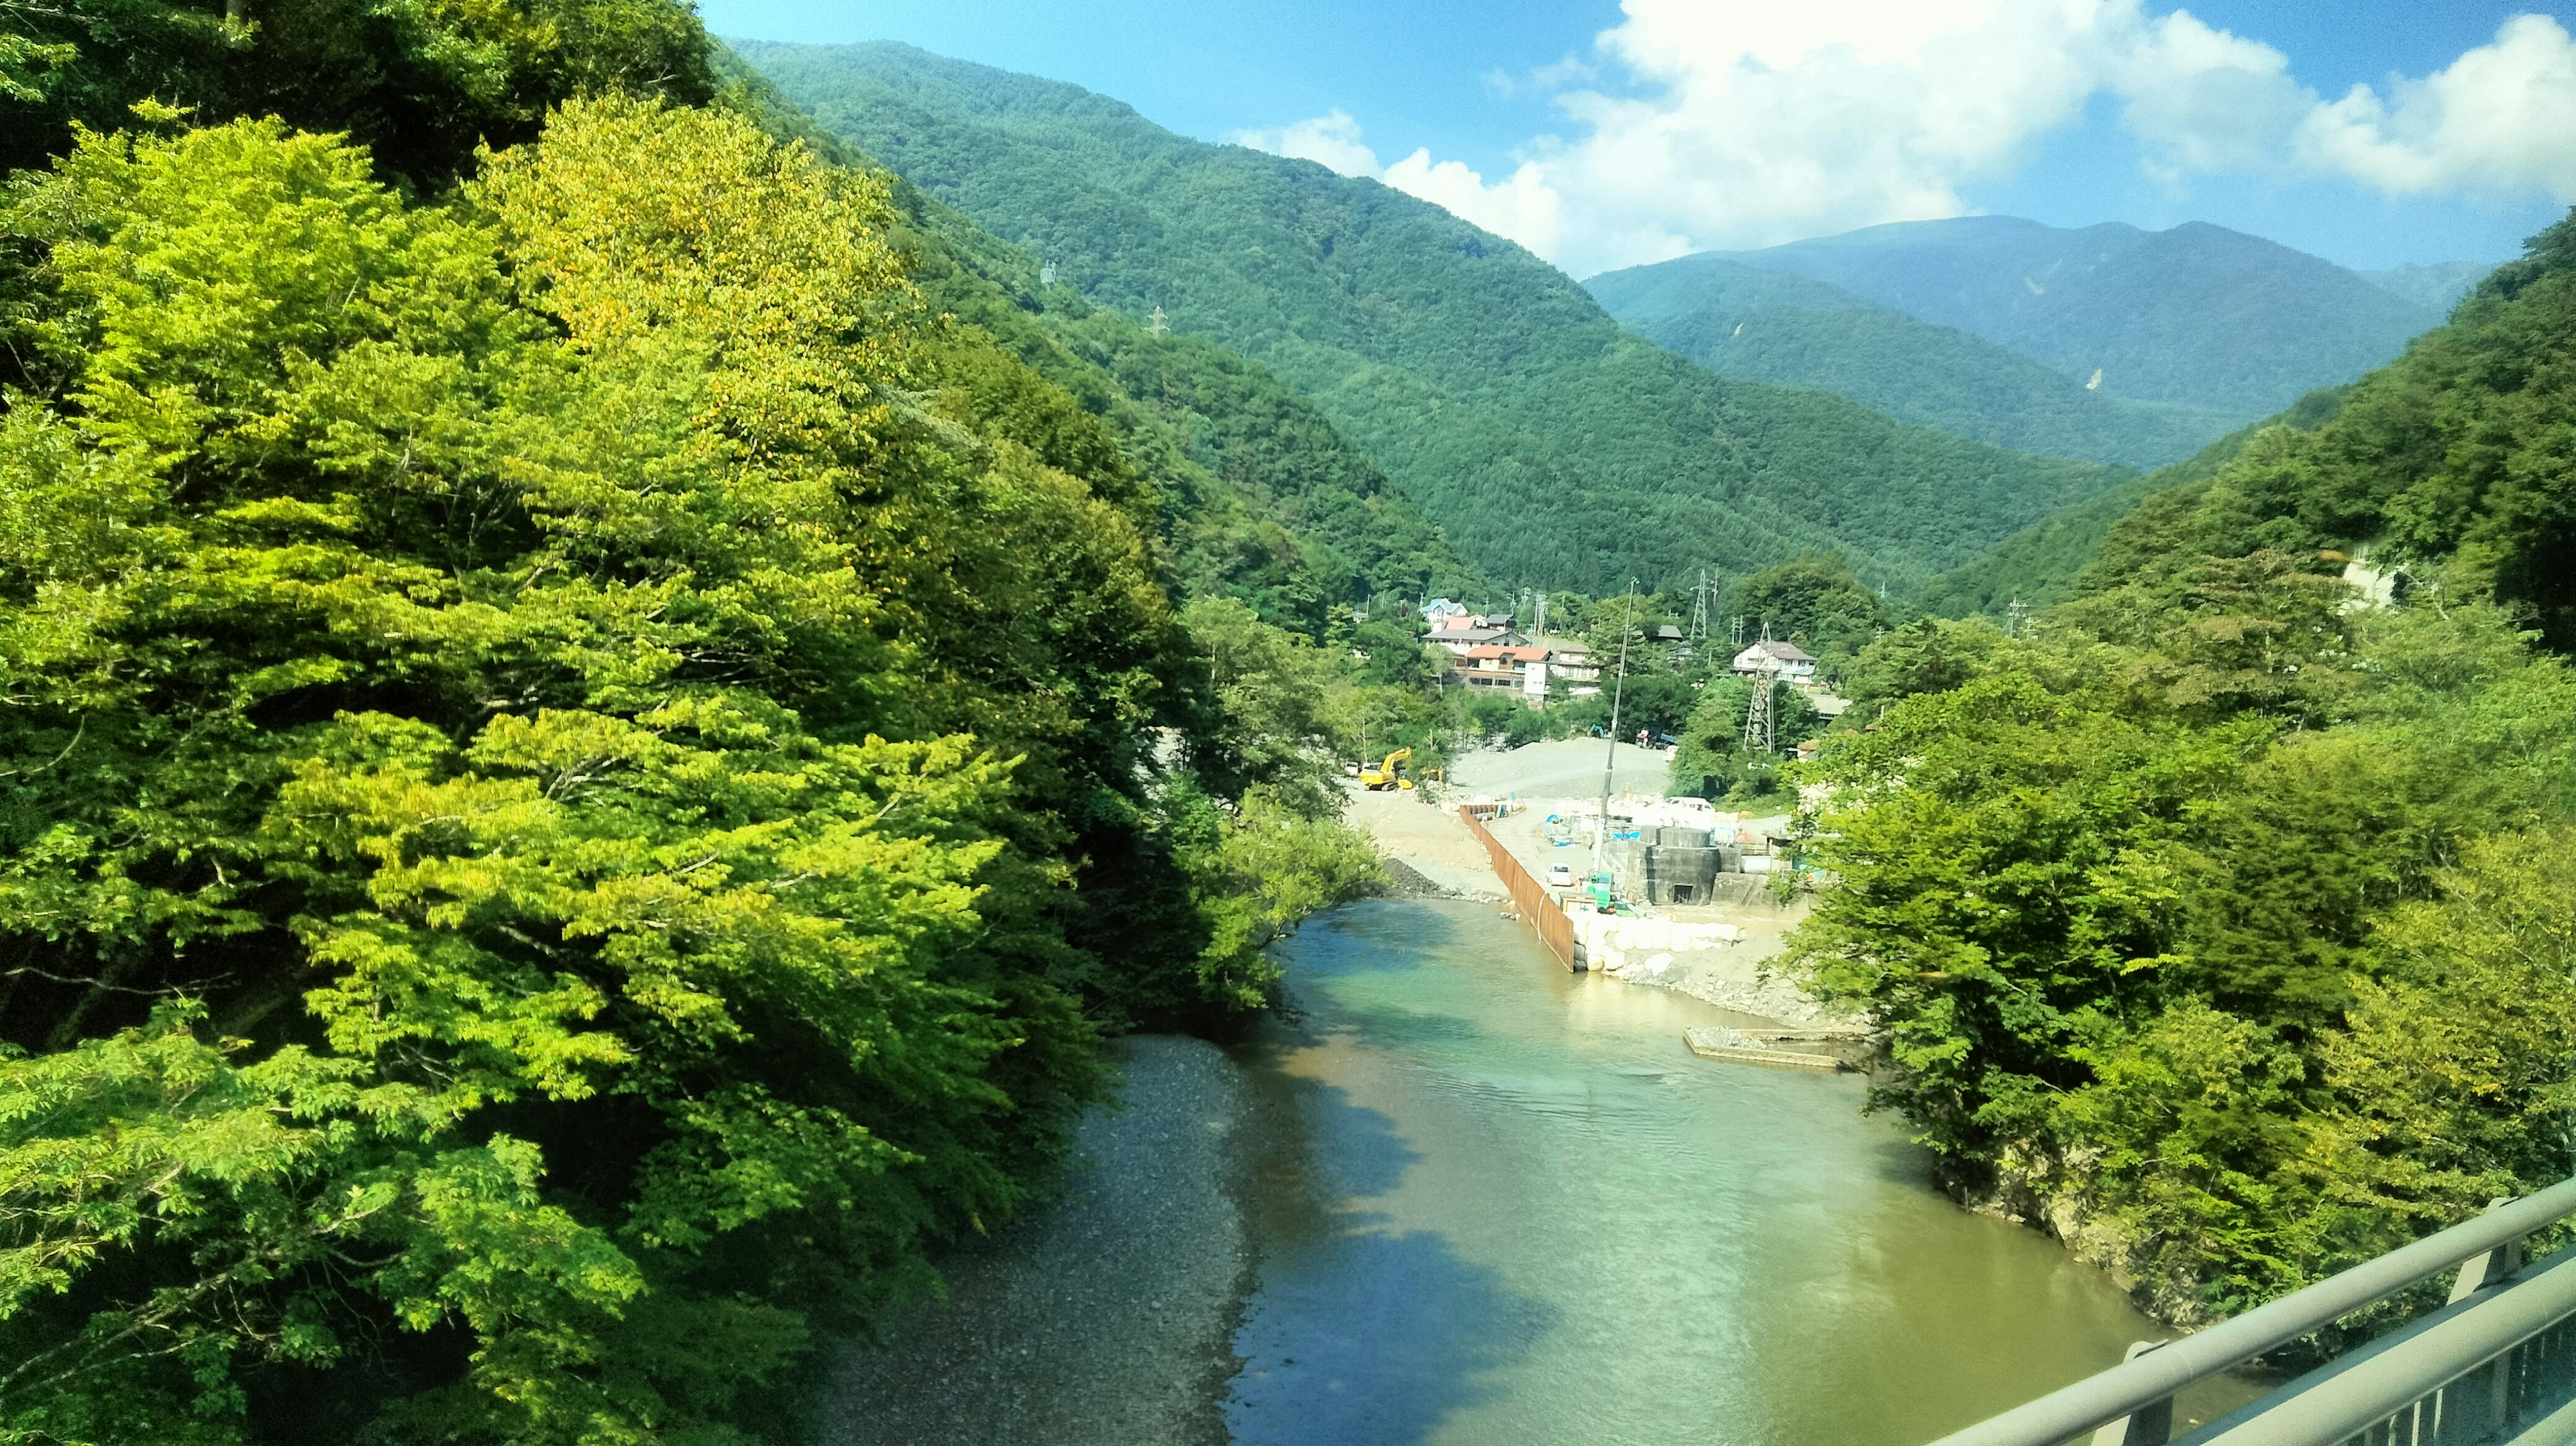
(1457,1195)
(1429,843)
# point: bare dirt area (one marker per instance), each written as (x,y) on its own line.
(1426,838)
(1562,776)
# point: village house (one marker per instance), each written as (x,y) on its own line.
(1496,668)
(1461,639)
(1781,660)
(1571,662)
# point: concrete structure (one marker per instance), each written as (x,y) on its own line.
(1666,866)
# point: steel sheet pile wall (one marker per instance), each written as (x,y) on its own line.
(1554,929)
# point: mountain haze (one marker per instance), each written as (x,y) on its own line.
(1773,326)
(2196,316)
(2440,286)
(1491,389)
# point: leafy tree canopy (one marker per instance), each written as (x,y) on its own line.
(419,84)
(2220,908)
(584,772)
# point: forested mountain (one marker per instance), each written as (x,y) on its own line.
(1494,392)
(599,725)
(2044,562)
(1773,326)
(2197,316)
(2221,920)
(1259,497)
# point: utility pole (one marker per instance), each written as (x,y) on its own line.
(1739,630)
(1618,689)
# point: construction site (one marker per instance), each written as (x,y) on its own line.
(1678,895)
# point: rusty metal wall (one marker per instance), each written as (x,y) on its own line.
(1555,930)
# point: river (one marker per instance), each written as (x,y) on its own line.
(1494,1202)
(1456,1196)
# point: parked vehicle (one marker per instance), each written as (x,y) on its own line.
(1560,876)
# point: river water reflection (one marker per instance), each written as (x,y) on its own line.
(1497,1202)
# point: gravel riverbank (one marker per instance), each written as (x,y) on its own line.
(1105,1320)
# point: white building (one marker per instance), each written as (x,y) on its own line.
(1780,660)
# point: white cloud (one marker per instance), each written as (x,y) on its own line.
(1521,206)
(1730,123)
(2501,117)
(1331,139)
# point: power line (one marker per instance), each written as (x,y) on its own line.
(1601,835)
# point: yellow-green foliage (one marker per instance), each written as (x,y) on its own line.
(552,792)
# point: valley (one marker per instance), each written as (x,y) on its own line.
(760,742)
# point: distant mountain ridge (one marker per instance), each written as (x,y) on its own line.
(1775,326)
(2196,316)
(1551,446)
(2440,286)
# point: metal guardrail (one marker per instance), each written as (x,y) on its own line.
(2466,1373)
(2511,1330)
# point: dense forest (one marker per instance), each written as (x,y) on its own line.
(1258,495)
(2222,920)
(1772,326)
(1553,449)
(606,705)
(2046,561)
(2197,316)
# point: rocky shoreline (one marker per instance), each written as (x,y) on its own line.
(1105,1319)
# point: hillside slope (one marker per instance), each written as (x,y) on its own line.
(1259,498)
(1772,326)
(2262,881)
(2452,464)
(2195,316)
(2440,286)
(2044,562)
(1554,448)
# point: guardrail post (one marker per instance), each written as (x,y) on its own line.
(2480,1271)
(2150,1425)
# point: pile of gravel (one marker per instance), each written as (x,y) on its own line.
(1412,883)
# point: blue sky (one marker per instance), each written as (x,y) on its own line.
(1601,136)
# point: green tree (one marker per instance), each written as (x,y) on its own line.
(525,686)
(419,85)
(1813,600)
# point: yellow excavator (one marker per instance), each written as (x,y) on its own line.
(1384,775)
